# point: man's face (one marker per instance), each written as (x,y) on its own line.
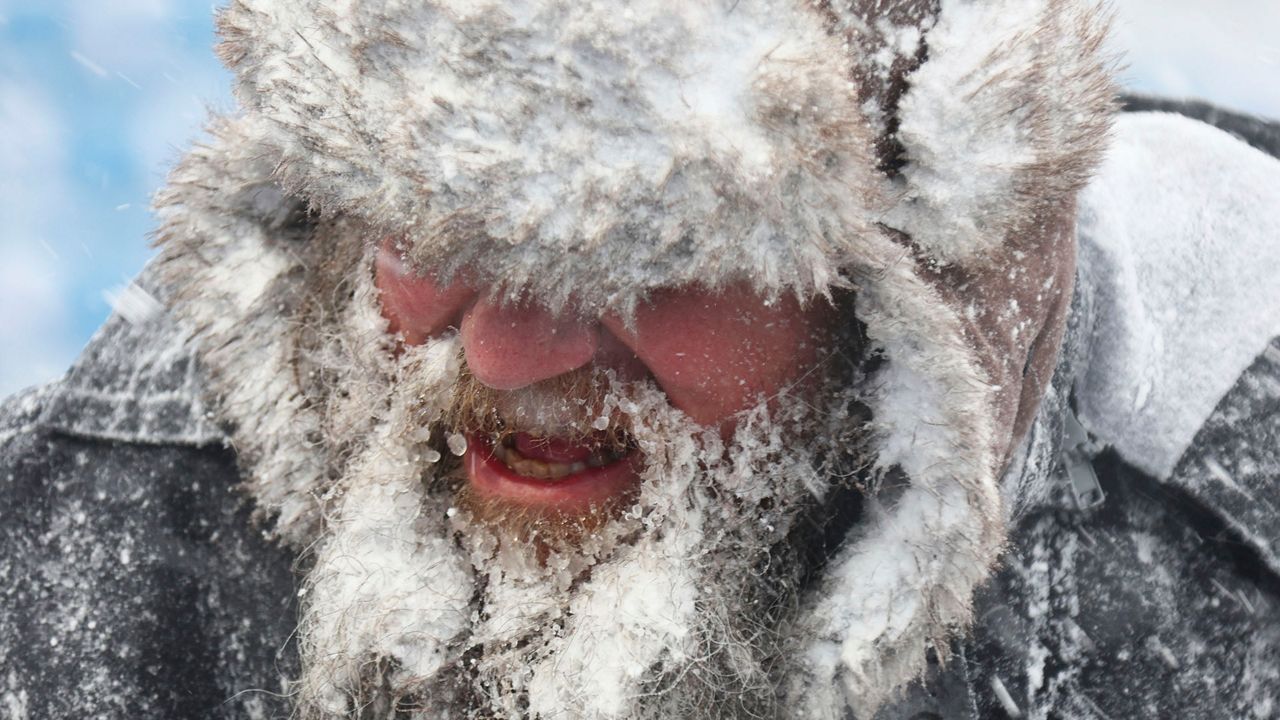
(714,353)
(631,492)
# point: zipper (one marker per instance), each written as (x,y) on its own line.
(1078,452)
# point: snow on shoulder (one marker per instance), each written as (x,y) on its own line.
(1178,238)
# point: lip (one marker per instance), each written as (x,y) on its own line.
(580,493)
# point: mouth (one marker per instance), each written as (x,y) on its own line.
(574,477)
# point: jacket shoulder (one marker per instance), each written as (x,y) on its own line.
(20,412)
(1164,601)
(1177,264)
(135,582)
(1146,607)
(136,381)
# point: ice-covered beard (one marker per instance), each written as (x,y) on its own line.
(675,605)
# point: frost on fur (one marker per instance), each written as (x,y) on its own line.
(1011,114)
(661,143)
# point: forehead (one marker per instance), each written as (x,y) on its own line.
(554,144)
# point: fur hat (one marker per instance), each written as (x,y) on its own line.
(926,153)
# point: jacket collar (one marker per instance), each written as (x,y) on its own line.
(137,381)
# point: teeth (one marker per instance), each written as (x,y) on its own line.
(543,470)
(530,467)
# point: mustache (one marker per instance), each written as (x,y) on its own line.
(570,407)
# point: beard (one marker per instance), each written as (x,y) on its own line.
(423,600)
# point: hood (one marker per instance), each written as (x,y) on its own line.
(924,154)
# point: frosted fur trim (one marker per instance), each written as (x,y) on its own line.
(560,145)
(546,141)
(906,583)
(223,225)
(1012,108)
(389,583)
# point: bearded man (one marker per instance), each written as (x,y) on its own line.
(722,359)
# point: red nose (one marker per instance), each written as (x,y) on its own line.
(510,346)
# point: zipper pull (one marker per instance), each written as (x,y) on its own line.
(1078,452)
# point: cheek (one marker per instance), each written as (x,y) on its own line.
(416,306)
(717,355)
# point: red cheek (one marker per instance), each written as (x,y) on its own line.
(717,354)
(414,305)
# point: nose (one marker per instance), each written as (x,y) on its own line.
(509,346)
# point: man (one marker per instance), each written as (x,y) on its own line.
(669,360)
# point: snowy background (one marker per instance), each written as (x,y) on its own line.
(98,97)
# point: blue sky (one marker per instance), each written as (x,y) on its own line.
(98,98)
